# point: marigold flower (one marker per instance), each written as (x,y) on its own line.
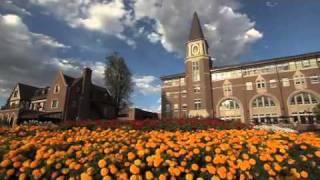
(304,174)
(149,175)
(102,163)
(5,163)
(134,169)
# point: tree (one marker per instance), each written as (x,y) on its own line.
(118,81)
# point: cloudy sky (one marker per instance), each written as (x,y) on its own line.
(39,37)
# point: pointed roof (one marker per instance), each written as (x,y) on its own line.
(196,31)
(26,91)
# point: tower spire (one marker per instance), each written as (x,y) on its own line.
(196,31)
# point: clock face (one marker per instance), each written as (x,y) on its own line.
(195,49)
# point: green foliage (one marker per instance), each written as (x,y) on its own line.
(118,81)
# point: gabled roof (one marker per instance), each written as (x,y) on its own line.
(27,91)
(69,80)
(196,30)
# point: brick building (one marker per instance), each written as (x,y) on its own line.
(265,91)
(67,98)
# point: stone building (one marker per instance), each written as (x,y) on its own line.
(264,91)
(67,98)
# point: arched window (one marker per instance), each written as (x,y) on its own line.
(229,110)
(303,98)
(263,101)
(229,104)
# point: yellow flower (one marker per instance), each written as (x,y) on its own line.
(189,176)
(208,158)
(149,175)
(211,169)
(195,167)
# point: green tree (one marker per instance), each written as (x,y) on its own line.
(118,81)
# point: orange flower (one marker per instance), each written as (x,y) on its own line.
(195,167)
(222,172)
(102,163)
(304,174)
(317,153)
(131,156)
(104,172)
(211,169)
(134,169)
(5,163)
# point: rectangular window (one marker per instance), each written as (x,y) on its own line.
(197,104)
(249,86)
(196,89)
(184,107)
(315,79)
(54,104)
(273,83)
(306,63)
(285,82)
(176,107)
(195,71)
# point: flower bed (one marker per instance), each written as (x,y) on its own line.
(42,152)
(169,124)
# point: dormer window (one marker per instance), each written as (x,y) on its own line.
(261,84)
(56,89)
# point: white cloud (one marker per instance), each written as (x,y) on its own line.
(25,56)
(12,7)
(229,33)
(109,17)
(146,84)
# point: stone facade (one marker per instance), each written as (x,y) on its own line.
(266,91)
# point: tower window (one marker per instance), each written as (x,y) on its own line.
(195,71)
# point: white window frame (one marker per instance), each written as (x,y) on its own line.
(57,104)
(315,79)
(56,89)
(285,82)
(249,86)
(195,71)
(197,104)
(273,83)
(261,84)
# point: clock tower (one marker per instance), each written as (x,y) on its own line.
(198,76)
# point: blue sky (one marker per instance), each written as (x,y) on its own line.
(40,37)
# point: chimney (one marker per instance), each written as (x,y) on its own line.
(84,104)
(86,82)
